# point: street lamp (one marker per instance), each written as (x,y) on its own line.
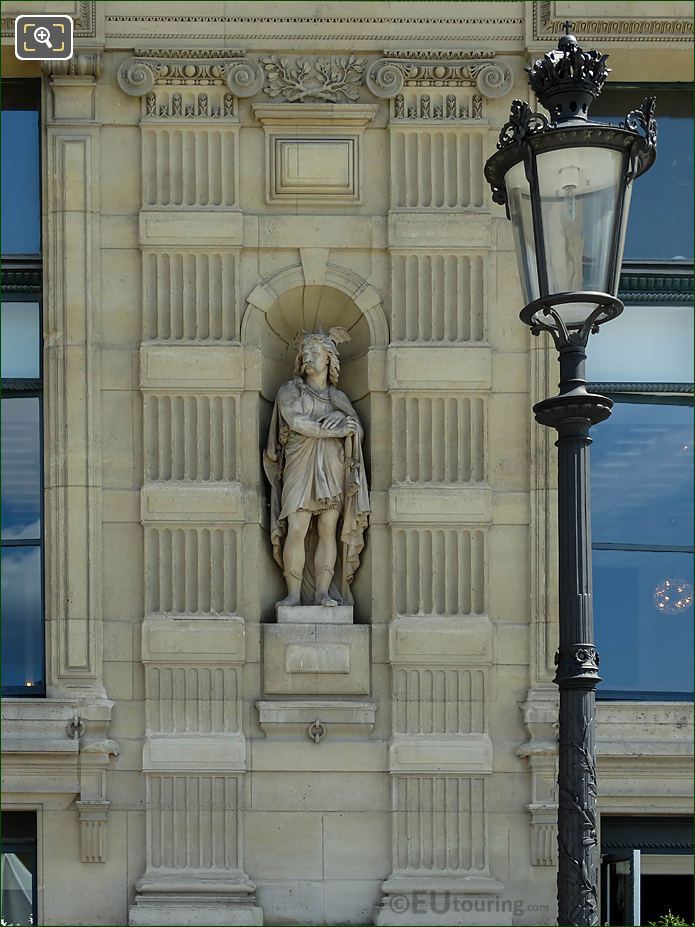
(566,185)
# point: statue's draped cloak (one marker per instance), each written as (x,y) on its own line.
(315,474)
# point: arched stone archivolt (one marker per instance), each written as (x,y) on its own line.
(315,270)
(313,294)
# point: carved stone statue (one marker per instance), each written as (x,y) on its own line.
(313,460)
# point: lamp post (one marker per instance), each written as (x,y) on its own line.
(566,184)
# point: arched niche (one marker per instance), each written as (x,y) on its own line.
(310,298)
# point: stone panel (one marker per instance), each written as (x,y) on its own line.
(437,168)
(438,438)
(191,436)
(191,570)
(437,297)
(189,167)
(438,571)
(438,825)
(190,295)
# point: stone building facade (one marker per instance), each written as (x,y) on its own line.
(217,176)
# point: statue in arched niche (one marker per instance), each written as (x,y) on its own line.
(319,507)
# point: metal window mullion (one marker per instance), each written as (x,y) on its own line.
(647,548)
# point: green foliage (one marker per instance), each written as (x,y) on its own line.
(670,920)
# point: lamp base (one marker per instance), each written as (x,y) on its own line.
(583,407)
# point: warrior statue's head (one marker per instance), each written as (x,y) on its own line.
(329,343)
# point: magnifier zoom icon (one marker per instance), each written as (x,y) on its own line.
(42,35)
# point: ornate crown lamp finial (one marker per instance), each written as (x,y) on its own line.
(568,80)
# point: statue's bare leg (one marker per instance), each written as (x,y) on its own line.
(326,551)
(293,556)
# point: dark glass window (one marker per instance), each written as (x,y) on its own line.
(21,431)
(642,456)
(642,530)
(21,201)
(660,226)
(18,867)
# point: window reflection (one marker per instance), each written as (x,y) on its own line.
(18,867)
(660,226)
(641,475)
(20,340)
(21,469)
(21,444)
(22,626)
(17,888)
(642,648)
(21,225)
(642,517)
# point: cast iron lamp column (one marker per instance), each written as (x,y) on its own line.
(566,185)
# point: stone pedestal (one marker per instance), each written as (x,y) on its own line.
(314,614)
(315,657)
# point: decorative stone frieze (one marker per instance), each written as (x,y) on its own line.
(388,76)
(192,87)
(152,69)
(437,106)
(332,79)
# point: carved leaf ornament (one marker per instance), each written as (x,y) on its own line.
(326,80)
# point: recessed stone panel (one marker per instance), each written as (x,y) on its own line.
(315,166)
(315,659)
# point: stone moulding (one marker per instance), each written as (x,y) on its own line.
(342,717)
(84,18)
(546,27)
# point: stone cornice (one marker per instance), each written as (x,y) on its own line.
(376,24)
(546,27)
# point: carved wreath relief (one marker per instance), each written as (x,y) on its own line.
(319,507)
